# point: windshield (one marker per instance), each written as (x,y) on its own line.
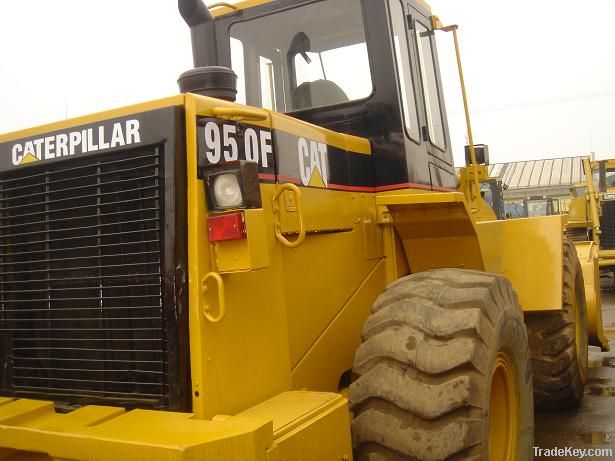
(486,194)
(610,177)
(537,208)
(301,58)
(579,191)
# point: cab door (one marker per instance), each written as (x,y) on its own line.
(428,150)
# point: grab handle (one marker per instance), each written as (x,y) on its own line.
(221,300)
(276,209)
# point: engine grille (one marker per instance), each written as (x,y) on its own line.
(81,280)
(607,225)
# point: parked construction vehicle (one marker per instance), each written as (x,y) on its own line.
(592,208)
(492,192)
(196,278)
(591,226)
(540,205)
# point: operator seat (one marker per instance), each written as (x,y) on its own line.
(316,94)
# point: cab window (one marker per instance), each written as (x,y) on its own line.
(430,85)
(404,73)
(299,58)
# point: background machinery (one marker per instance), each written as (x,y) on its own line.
(206,276)
(540,206)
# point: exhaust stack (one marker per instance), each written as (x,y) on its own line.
(207,78)
(202,31)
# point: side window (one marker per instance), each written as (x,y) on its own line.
(430,85)
(237,57)
(404,74)
(268,94)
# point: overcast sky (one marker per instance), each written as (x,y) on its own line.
(540,78)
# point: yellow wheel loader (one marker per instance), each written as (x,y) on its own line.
(279,263)
(591,226)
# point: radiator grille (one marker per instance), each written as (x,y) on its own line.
(607,225)
(81,313)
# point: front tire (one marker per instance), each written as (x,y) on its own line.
(444,372)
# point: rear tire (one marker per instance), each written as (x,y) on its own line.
(444,372)
(558,342)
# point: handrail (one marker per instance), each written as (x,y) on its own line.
(238,114)
(437,25)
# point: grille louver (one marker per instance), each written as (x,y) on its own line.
(81,280)
(607,225)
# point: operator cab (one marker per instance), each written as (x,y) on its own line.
(603,173)
(360,67)
(540,205)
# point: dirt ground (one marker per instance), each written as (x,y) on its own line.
(592,425)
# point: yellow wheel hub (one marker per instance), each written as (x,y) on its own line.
(503,409)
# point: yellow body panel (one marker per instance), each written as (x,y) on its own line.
(251,343)
(323,210)
(236,6)
(318,368)
(290,426)
(317,133)
(306,426)
(244,255)
(528,252)
(578,213)
(110,434)
(436,230)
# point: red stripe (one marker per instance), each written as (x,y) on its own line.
(289,179)
(444,189)
(266,176)
(351,188)
(403,185)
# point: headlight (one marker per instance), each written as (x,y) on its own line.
(232,185)
(227,192)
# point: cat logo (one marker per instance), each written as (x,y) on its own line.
(313,163)
(28,158)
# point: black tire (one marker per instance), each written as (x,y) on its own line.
(426,365)
(558,342)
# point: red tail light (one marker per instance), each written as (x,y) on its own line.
(229,226)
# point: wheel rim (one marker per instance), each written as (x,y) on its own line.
(577,326)
(580,332)
(503,409)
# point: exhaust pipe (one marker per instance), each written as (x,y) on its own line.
(207,78)
(202,31)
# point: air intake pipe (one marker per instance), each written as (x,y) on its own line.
(207,78)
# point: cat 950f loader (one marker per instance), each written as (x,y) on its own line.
(278,263)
